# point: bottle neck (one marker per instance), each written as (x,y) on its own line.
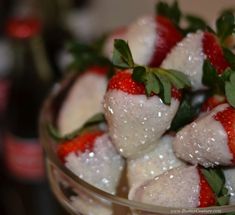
(54,13)
(30,57)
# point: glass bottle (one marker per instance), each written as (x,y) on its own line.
(25,184)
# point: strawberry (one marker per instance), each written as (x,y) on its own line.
(209,140)
(78,145)
(83,100)
(136,121)
(188,184)
(151,38)
(92,157)
(188,56)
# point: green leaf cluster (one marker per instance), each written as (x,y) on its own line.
(223,84)
(215,178)
(85,56)
(189,109)
(156,80)
(172,12)
(94,121)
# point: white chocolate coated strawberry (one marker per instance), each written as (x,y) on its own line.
(136,122)
(204,141)
(142,37)
(179,187)
(100,167)
(83,101)
(188,57)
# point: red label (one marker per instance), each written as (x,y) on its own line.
(24,158)
(4,90)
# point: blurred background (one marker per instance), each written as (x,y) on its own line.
(33,56)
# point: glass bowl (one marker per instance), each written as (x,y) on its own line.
(79,197)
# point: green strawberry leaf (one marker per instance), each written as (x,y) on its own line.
(216,179)
(189,109)
(230,93)
(93,121)
(223,200)
(180,77)
(172,12)
(230,57)
(156,80)
(152,84)
(85,56)
(122,57)
(211,78)
(139,74)
(165,93)
(225,25)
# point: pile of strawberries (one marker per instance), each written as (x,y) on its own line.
(168,111)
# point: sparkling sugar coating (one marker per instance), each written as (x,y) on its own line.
(135,121)
(102,167)
(229,174)
(178,187)
(204,141)
(142,37)
(153,163)
(188,57)
(83,101)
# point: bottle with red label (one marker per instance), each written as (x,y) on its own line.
(27,192)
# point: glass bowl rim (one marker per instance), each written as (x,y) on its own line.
(45,118)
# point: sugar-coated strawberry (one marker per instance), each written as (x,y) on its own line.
(83,100)
(158,160)
(150,38)
(209,140)
(188,186)
(119,33)
(136,121)
(92,157)
(188,56)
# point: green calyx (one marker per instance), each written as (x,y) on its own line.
(173,13)
(222,84)
(156,80)
(85,56)
(88,125)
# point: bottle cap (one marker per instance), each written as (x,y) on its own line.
(23,28)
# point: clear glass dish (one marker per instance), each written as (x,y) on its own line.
(79,197)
